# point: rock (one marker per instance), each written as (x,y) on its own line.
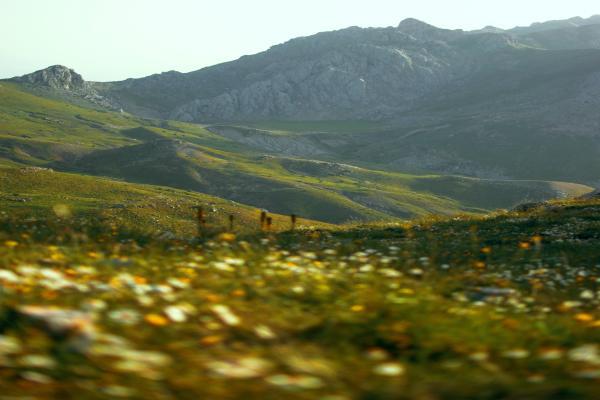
(19,199)
(483,293)
(493,291)
(56,76)
(75,328)
(167,235)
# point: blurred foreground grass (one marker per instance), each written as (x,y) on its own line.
(500,307)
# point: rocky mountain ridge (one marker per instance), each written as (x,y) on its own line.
(358,73)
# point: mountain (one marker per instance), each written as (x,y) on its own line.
(517,104)
(353,73)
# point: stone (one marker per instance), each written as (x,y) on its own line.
(75,328)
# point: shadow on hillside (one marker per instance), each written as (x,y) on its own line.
(140,133)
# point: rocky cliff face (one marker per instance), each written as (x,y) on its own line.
(346,74)
(374,73)
(55,77)
(351,73)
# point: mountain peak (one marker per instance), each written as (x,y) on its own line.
(491,29)
(56,77)
(413,24)
(423,31)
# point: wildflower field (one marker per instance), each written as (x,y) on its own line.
(498,307)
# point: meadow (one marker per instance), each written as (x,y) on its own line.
(499,306)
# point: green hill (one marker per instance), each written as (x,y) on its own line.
(66,137)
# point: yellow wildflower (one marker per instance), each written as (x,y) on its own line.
(155,319)
(11,244)
(211,340)
(227,237)
(584,317)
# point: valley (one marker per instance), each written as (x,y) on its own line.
(242,164)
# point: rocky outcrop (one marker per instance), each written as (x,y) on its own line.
(56,77)
(66,83)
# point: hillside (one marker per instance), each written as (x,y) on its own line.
(48,132)
(153,210)
(499,148)
(504,306)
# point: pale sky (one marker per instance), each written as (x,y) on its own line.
(107,40)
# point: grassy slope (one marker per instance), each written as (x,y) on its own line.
(40,131)
(482,308)
(30,191)
(26,116)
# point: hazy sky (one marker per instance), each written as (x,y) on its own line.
(117,39)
